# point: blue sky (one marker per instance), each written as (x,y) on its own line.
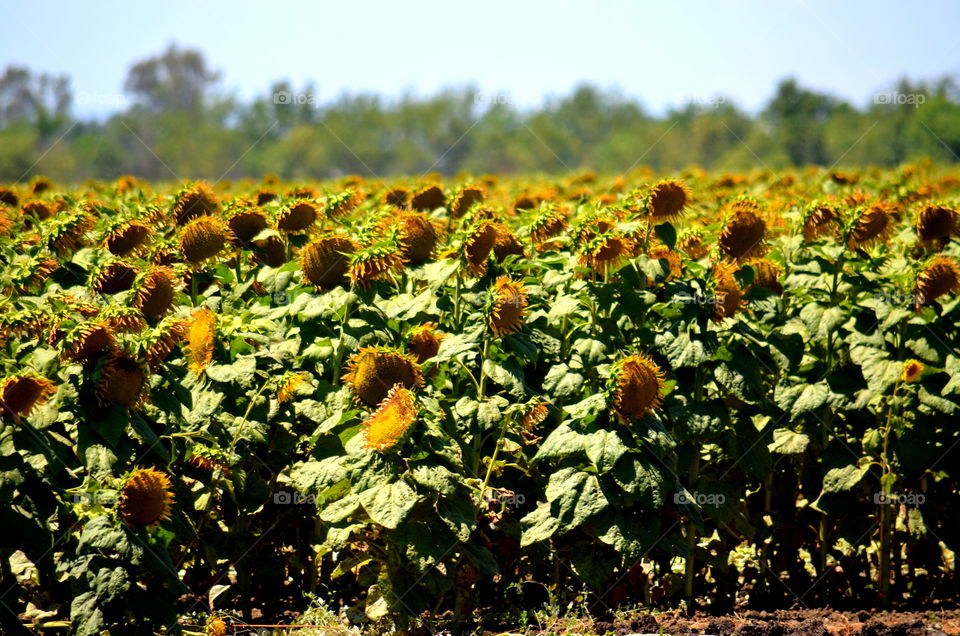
(662,53)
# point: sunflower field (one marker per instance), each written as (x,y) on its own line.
(455,400)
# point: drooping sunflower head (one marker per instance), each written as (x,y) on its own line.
(288,386)
(507,243)
(635,385)
(265,196)
(193,202)
(201,332)
(429,197)
(727,293)
(123,318)
(941,276)
(204,237)
(537,412)
(297,216)
(818,219)
(122,381)
(67,233)
(271,250)
(210,459)
(660,251)
(605,252)
(936,222)
(372,372)
(416,236)
(390,424)
(245,223)
(508,307)
(339,205)
(23,392)
(548,223)
(155,290)
(911,371)
(766,275)
(465,198)
(477,245)
(325,261)
(9,197)
(744,232)
(692,243)
(161,340)
(113,277)
(424,342)
(869,224)
(396,197)
(146,498)
(667,199)
(374,262)
(127,238)
(86,340)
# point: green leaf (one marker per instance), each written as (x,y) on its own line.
(604,448)
(562,383)
(560,443)
(593,351)
(389,504)
(560,307)
(538,525)
(631,535)
(843,479)
(574,497)
(666,233)
(803,398)
(682,350)
(786,442)
(506,375)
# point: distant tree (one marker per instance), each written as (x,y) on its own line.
(177,80)
(799,116)
(39,100)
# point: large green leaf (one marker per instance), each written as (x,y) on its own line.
(574,497)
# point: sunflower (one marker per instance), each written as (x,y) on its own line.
(85,341)
(691,243)
(465,198)
(817,221)
(245,224)
(941,276)
(477,247)
(392,420)
(667,199)
(657,252)
(604,253)
(9,197)
(506,243)
(154,291)
(123,318)
(127,238)
(265,196)
(325,261)
(374,262)
(67,234)
(911,371)
(509,307)
(728,296)
(372,371)
(200,339)
(424,342)
(548,223)
(288,386)
(416,236)
(635,384)
(23,392)
(204,237)
(297,216)
(766,275)
(396,197)
(210,459)
(194,202)
(871,224)
(216,626)
(162,340)
(146,498)
(428,198)
(339,205)
(122,381)
(743,234)
(535,416)
(936,222)
(271,250)
(114,277)
(38,208)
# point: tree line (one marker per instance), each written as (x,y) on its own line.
(173,123)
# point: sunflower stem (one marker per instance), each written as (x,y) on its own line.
(193,287)
(690,564)
(246,415)
(493,460)
(237,269)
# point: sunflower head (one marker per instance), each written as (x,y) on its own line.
(416,236)
(204,237)
(245,223)
(548,223)
(122,381)
(744,232)
(911,371)
(727,294)
(506,243)
(661,251)
(66,234)
(23,392)
(9,197)
(155,290)
(193,202)
(216,626)
(297,216)
(424,342)
(477,245)
(465,198)
(428,198)
(397,197)
(201,331)
(161,340)
(508,307)
(271,250)
(936,222)
(374,262)
(691,243)
(537,412)
(326,260)
(288,386)
(146,498)
(390,424)
(870,224)
(373,371)
(941,276)
(86,340)
(818,219)
(127,238)
(113,277)
(339,205)
(766,275)
(605,252)
(635,385)
(210,459)
(667,199)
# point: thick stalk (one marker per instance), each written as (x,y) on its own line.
(691,537)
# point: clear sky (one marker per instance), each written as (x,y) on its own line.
(663,53)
